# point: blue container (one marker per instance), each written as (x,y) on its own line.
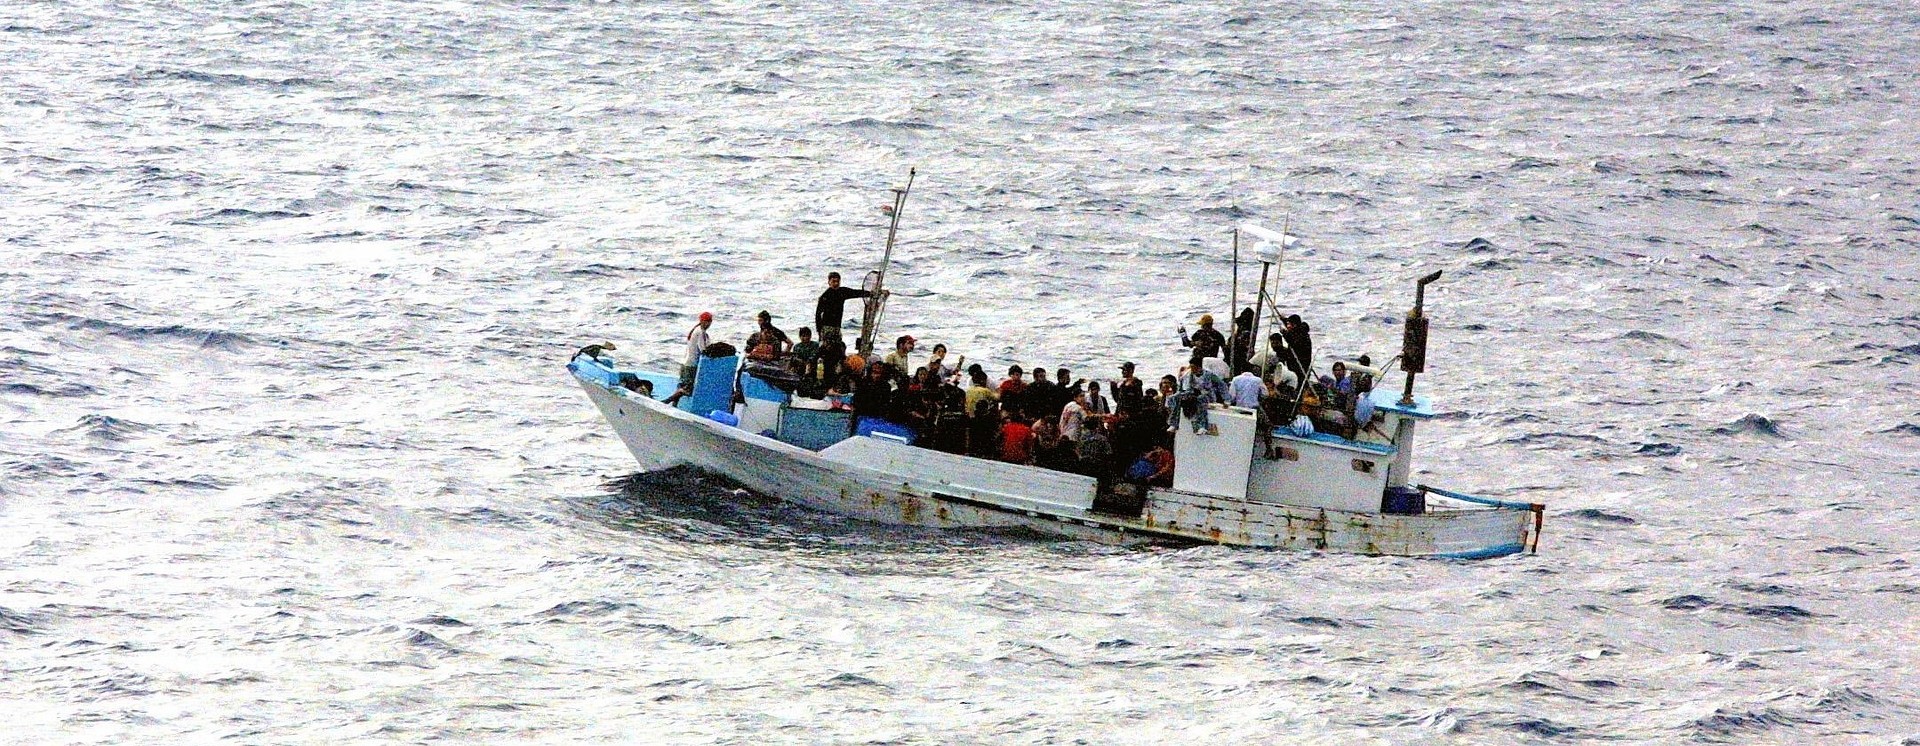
(712,385)
(724,418)
(1404,501)
(871,425)
(814,429)
(754,388)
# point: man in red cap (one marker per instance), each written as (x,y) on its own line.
(696,344)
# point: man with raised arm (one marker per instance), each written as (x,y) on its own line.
(832,307)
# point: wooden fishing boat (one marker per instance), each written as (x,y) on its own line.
(1315,491)
(1284,488)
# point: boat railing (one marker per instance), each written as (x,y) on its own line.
(1539,510)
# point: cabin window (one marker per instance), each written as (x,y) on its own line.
(1363,466)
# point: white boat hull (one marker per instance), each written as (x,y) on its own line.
(660,436)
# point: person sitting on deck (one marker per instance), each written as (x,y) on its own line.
(1095,452)
(1363,381)
(636,384)
(1206,341)
(806,350)
(1153,468)
(1016,441)
(1276,409)
(1274,355)
(1342,386)
(922,380)
(873,394)
(1363,402)
(937,364)
(901,358)
(832,363)
(767,342)
(1199,387)
(1050,450)
(917,405)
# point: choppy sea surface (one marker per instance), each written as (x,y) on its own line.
(287,454)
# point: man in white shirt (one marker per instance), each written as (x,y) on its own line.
(696,344)
(1073,417)
(1244,391)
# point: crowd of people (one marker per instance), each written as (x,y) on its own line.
(1120,432)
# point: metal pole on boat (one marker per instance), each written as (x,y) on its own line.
(1260,305)
(1413,343)
(876,305)
(1260,302)
(1233,302)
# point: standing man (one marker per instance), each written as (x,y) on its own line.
(832,306)
(696,344)
(1064,379)
(1042,398)
(1241,346)
(1097,404)
(1244,390)
(1013,390)
(1300,343)
(1207,341)
(1073,417)
(1129,392)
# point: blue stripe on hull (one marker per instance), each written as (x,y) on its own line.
(1500,550)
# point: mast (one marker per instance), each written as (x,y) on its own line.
(876,304)
(1266,265)
(1233,303)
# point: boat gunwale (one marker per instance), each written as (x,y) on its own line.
(785,448)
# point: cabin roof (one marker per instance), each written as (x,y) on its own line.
(1389,401)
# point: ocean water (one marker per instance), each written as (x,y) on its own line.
(287,454)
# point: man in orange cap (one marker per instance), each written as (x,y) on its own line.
(1207,341)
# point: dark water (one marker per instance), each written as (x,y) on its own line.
(287,454)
